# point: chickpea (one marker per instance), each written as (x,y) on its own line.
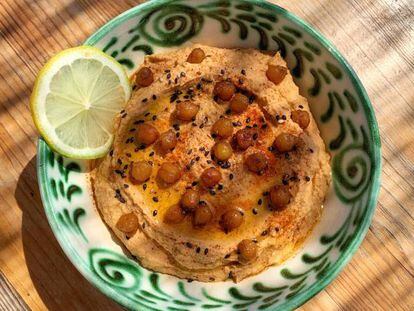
(144,77)
(231,220)
(256,162)
(196,56)
(210,177)
(203,214)
(167,141)
(247,250)
(169,173)
(301,117)
(140,172)
(190,200)
(174,215)
(186,111)
(222,128)
(239,103)
(146,134)
(276,74)
(222,151)
(280,197)
(285,142)
(128,224)
(224,90)
(244,138)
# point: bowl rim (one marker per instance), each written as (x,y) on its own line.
(337,267)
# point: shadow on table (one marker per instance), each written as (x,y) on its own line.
(56,280)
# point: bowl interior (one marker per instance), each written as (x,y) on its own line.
(339,105)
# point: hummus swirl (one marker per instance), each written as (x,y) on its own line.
(210,253)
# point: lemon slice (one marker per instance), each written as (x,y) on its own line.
(75,99)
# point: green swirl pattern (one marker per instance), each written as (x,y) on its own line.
(339,109)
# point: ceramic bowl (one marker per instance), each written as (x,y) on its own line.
(340,106)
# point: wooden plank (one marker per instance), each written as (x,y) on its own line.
(375,36)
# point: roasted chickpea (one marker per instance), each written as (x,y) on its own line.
(146,134)
(169,173)
(196,56)
(190,199)
(244,138)
(231,220)
(210,177)
(167,141)
(140,172)
(144,77)
(280,197)
(222,151)
(247,250)
(276,74)
(202,215)
(174,215)
(222,128)
(224,90)
(186,111)
(239,103)
(301,117)
(256,162)
(128,224)
(285,142)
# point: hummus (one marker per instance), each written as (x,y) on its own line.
(212,252)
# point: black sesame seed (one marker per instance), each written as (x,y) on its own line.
(254,211)
(271,148)
(154,118)
(154,213)
(167,70)
(132,130)
(155,199)
(310,150)
(126,186)
(264,233)
(197,159)
(214,135)
(190,151)
(255,135)
(144,186)
(300,106)
(241,81)
(206,251)
(111,153)
(255,125)
(194,183)
(260,202)
(251,99)
(189,245)
(212,192)
(264,126)
(194,124)
(182,74)
(119,161)
(226,256)
(266,193)
(154,97)
(151,153)
(277,117)
(168,75)
(220,187)
(177,134)
(231,176)
(243,72)
(307,178)
(124,115)
(283,117)
(201,125)
(209,162)
(222,71)
(198,249)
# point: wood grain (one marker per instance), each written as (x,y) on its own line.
(376,36)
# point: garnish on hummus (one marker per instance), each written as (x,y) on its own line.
(218,169)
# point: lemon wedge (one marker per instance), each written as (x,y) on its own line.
(76,96)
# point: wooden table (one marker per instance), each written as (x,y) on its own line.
(377,38)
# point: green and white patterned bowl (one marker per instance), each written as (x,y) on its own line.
(340,106)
